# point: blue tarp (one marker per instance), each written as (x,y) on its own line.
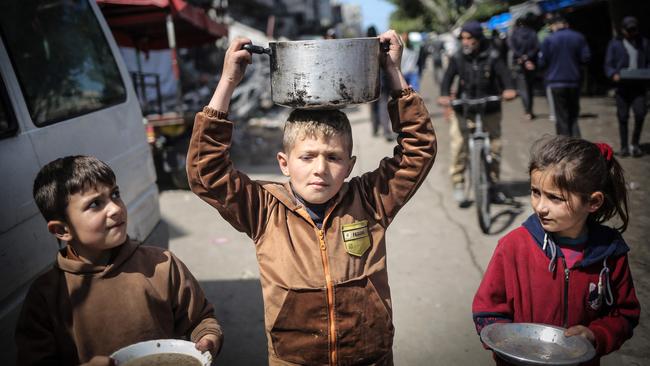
(500,21)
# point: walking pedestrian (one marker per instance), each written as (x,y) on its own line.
(629,51)
(423,55)
(379,108)
(500,43)
(437,52)
(542,34)
(524,46)
(379,111)
(410,63)
(562,55)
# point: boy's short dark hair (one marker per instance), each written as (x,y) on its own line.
(316,123)
(60,178)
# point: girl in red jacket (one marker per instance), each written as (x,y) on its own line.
(562,266)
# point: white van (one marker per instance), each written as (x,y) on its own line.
(64,90)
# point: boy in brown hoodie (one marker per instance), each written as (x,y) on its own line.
(105,291)
(319,240)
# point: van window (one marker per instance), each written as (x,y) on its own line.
(8,124)
(61,58)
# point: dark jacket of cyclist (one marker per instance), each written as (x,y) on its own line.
(481,73)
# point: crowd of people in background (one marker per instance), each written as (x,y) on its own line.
(549,56)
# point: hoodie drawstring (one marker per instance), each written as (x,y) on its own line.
(604,285)
(553,249)
(605,288)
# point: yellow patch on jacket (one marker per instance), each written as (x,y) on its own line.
(356,237)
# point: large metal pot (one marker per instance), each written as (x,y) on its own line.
(323,74)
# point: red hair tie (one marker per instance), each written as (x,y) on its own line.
(605,150)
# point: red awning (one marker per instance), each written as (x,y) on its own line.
(141,23)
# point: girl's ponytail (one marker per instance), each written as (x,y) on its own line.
(615,192)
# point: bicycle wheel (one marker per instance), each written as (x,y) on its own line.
(481,184)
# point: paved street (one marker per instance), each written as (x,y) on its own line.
(436,251)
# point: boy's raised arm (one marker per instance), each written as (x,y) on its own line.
(391,185)
(391,61)
(210,171)
(234,68)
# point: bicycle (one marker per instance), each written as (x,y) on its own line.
(480,158)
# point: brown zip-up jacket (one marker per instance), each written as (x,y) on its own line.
(326,294)
(78,310)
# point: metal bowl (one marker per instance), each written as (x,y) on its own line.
(536,344)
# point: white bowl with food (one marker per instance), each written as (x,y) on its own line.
(162,352)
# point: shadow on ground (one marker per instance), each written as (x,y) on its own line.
(588,115)
(518,188)
(503,218)
(504,215)
(240,311)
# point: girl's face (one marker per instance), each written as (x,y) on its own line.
(561,213)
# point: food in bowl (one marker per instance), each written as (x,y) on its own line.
(164,359)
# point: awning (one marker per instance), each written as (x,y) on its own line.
(549,6)
(142,23)
(520,10)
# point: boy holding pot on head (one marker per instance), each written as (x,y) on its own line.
(319,240)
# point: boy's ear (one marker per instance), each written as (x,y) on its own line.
(595,201)
(59,229)
(353,159)
(283,161)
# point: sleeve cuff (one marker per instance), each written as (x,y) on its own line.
(215,113)
(207,326)
(601,339)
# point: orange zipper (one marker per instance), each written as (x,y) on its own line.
(331,337)
(330,299)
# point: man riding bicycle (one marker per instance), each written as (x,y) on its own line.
(481,72)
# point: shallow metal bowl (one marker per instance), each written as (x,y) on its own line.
(536,344)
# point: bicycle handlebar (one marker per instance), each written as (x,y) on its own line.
(477,101)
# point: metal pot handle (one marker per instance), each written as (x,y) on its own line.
(256,49)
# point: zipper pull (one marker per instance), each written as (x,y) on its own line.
(566,274)
(321,238)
